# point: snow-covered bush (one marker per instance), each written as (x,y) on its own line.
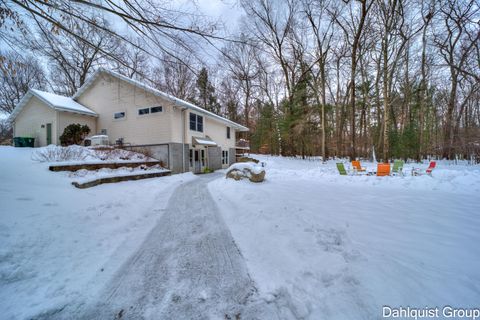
(53,153)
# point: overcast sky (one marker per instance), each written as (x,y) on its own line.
(227,10)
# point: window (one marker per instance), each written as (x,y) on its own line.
(143,111)
(196,122)
(119,115)
(103,132)
(156,109)
(191,158)
(225,157)
(228,132)
(203,157)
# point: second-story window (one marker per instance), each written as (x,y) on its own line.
(119,115)
(196,122)
(228,132)
(143,111)
(156,109)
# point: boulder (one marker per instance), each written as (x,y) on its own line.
(247,159)
(235,174)
(257,177)
(246,170)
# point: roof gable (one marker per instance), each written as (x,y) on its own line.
(54,101)
(179,102)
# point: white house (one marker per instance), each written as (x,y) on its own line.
(135,115)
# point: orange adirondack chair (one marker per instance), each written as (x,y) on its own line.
(383,169)
(356,165)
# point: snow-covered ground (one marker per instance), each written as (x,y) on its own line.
(59,244)
(317,245)
(341,247)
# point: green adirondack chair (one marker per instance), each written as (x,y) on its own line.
(341,169)
(398,167)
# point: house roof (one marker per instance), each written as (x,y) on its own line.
(176,101)
(54,101)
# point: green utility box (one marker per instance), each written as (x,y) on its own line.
(21,142)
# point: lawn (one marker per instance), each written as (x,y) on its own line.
(60,244)
(326,246)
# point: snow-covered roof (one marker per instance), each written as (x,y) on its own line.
(55,101)
(158,93)
(203,141)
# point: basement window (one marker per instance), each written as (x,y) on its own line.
(119,115)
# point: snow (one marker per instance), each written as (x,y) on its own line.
(203,141)
(252,166)
(84,176)
(316,244)
(62,102)
(75,154)
(324,246)
(60,244)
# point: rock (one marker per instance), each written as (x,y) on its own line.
(235,174)
(257,177)
(247,159)
(246,173)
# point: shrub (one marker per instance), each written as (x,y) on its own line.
(74,134)
(55,153)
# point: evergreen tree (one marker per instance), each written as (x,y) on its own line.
(206,97)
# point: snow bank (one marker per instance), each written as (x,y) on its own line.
(77,154)
(84,176)
(325,246)
(61,244)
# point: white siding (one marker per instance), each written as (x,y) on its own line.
(108,95)
(29,121)
(216,130)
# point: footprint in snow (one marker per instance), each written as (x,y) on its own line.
(24,199)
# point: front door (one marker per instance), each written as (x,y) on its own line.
(197,164)
(49,134)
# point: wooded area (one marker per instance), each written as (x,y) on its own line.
(308,77)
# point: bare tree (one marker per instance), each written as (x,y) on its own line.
(323,32)
(455,46)
(353,25)
(18,74)
(175,78)
(241,63)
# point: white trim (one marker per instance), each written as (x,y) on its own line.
(158,93)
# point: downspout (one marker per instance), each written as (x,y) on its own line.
(183,137)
